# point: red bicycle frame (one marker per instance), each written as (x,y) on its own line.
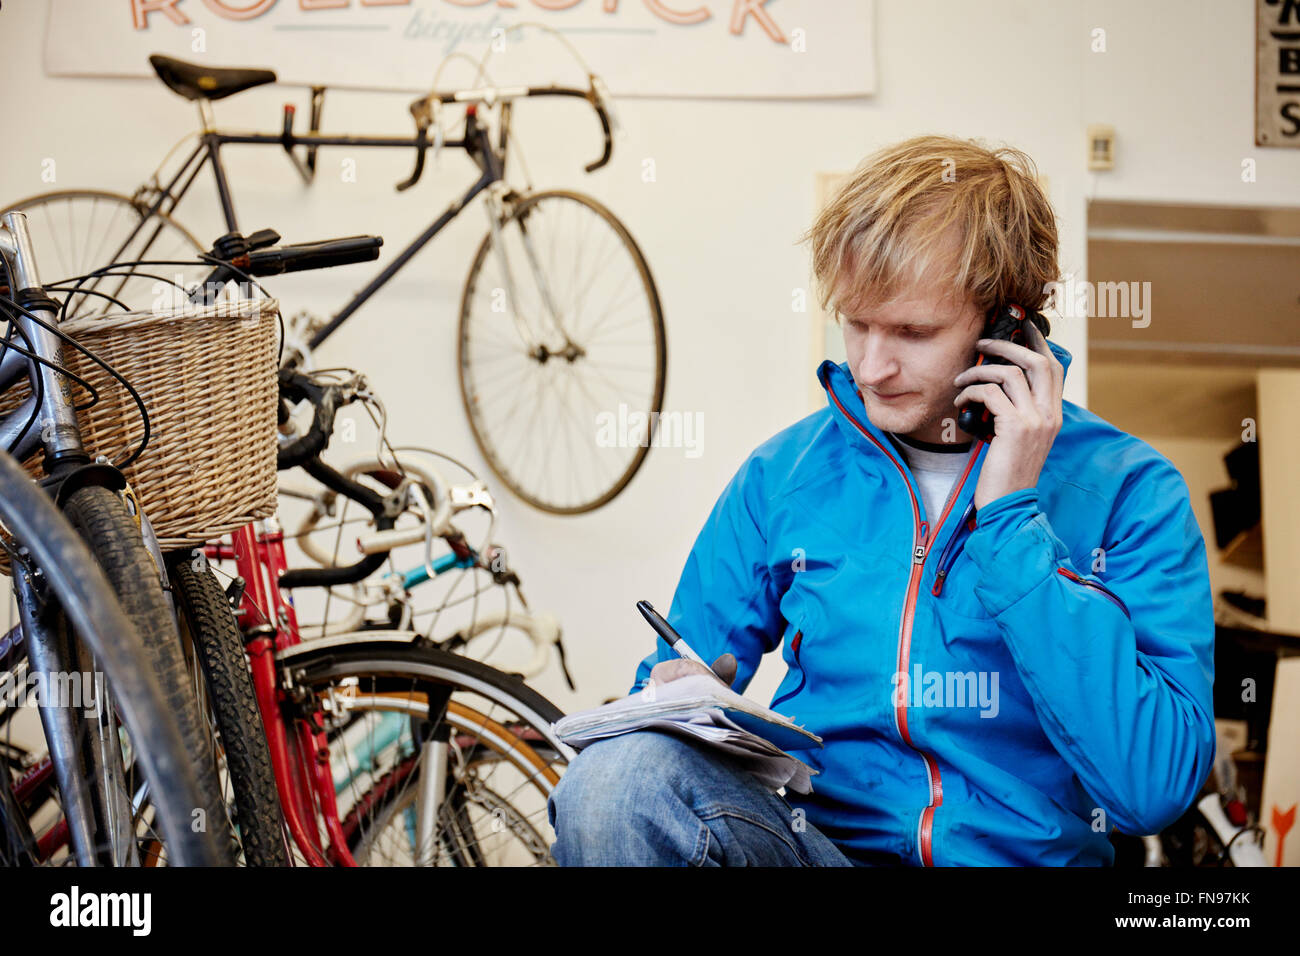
(299,747)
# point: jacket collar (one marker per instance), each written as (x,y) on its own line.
(847,406)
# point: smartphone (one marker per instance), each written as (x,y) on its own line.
(1007,323)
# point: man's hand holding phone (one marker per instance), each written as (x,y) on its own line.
(1024,398)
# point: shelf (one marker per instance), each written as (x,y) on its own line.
(1246,550)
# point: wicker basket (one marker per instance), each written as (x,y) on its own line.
(207,378)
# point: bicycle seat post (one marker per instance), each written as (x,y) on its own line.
(206,116)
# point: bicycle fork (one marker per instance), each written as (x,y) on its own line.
(495,211)
(433,787)
(85,751)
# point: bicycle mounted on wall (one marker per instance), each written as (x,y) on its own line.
(572,347)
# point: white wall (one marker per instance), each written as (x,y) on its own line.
(734,188)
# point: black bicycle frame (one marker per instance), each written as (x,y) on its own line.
(83,766)
(479,148)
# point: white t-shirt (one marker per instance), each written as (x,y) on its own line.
(935,467)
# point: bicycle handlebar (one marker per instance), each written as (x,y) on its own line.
(325,400)
(422,110)
(349,574)
(609,138)
(312,255)
(593,95)
(440,490)
(258,255)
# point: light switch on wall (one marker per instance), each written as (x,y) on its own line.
(1101,147)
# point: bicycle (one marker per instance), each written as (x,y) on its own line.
(387,600)
(406,738)
(94,784)
(568,344)
(464,737)
(202,665)
(379,738)
(62,570)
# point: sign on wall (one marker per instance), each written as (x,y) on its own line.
(1277,73)
(729,48)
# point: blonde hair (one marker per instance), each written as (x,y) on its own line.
(894,221)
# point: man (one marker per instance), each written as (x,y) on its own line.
(1006,646)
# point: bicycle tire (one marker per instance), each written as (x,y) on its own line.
(210,625)
(475,405)
(101,518)
(88,600)
(376,668)
(74,216)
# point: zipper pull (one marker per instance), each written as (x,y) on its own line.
(938,583)
(918,553)
(918,556)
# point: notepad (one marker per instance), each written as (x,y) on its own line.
(699,707)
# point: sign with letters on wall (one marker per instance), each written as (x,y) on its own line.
(672,48)
(1277,73)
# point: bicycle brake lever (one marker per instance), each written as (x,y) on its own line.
(467,496)
(262,239)
(564,665)
(422,110)
(322,505)
(422,120)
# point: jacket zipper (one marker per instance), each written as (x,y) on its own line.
(794,647)
(923,538)
(945,560)
(1114,598)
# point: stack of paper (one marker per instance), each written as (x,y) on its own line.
(701,708)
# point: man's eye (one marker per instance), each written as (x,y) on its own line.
(916,333)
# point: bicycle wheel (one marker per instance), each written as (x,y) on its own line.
(561,352)
(413,727)
(381,824)
(239,739)
(101,518)
(86,229)
(143,698)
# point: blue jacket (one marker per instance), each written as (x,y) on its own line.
(1058,646)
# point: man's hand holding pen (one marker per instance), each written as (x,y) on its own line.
(724,668)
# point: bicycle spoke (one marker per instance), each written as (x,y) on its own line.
(584,266)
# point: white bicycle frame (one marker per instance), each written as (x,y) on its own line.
(445,500)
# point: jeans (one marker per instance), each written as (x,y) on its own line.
(649,798)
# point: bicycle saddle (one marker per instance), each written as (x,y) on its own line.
(196,82)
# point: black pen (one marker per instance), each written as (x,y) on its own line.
(665,630)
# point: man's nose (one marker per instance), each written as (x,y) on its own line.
(877,364)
